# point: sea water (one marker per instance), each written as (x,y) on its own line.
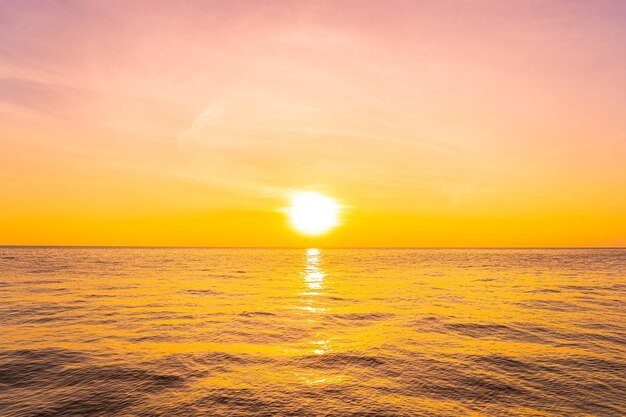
(312,332)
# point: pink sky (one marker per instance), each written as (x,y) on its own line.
(483,107)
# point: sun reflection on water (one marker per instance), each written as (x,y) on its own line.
(313,277)
(314,281)
(313,274)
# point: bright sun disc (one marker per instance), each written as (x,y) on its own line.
(313,213)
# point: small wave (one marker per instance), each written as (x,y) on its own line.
(362,316)
(256,313)
(484,330)
(544,291)
(555,305)
(338,360)
(202,292)
(503,363)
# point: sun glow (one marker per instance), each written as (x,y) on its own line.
(313,213)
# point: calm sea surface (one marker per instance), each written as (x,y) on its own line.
(247,332)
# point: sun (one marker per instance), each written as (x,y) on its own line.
(313,213)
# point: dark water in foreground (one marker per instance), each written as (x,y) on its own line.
(243,332)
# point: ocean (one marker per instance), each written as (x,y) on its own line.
(312,332)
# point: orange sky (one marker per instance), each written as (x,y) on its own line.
(436,123)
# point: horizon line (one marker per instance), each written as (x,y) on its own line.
(303,247)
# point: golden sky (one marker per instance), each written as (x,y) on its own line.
(433,123)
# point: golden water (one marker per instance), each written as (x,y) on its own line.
(259,332)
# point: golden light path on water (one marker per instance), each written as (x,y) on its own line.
(256,332)
(313,277)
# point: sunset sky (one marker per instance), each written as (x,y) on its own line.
(432,123)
